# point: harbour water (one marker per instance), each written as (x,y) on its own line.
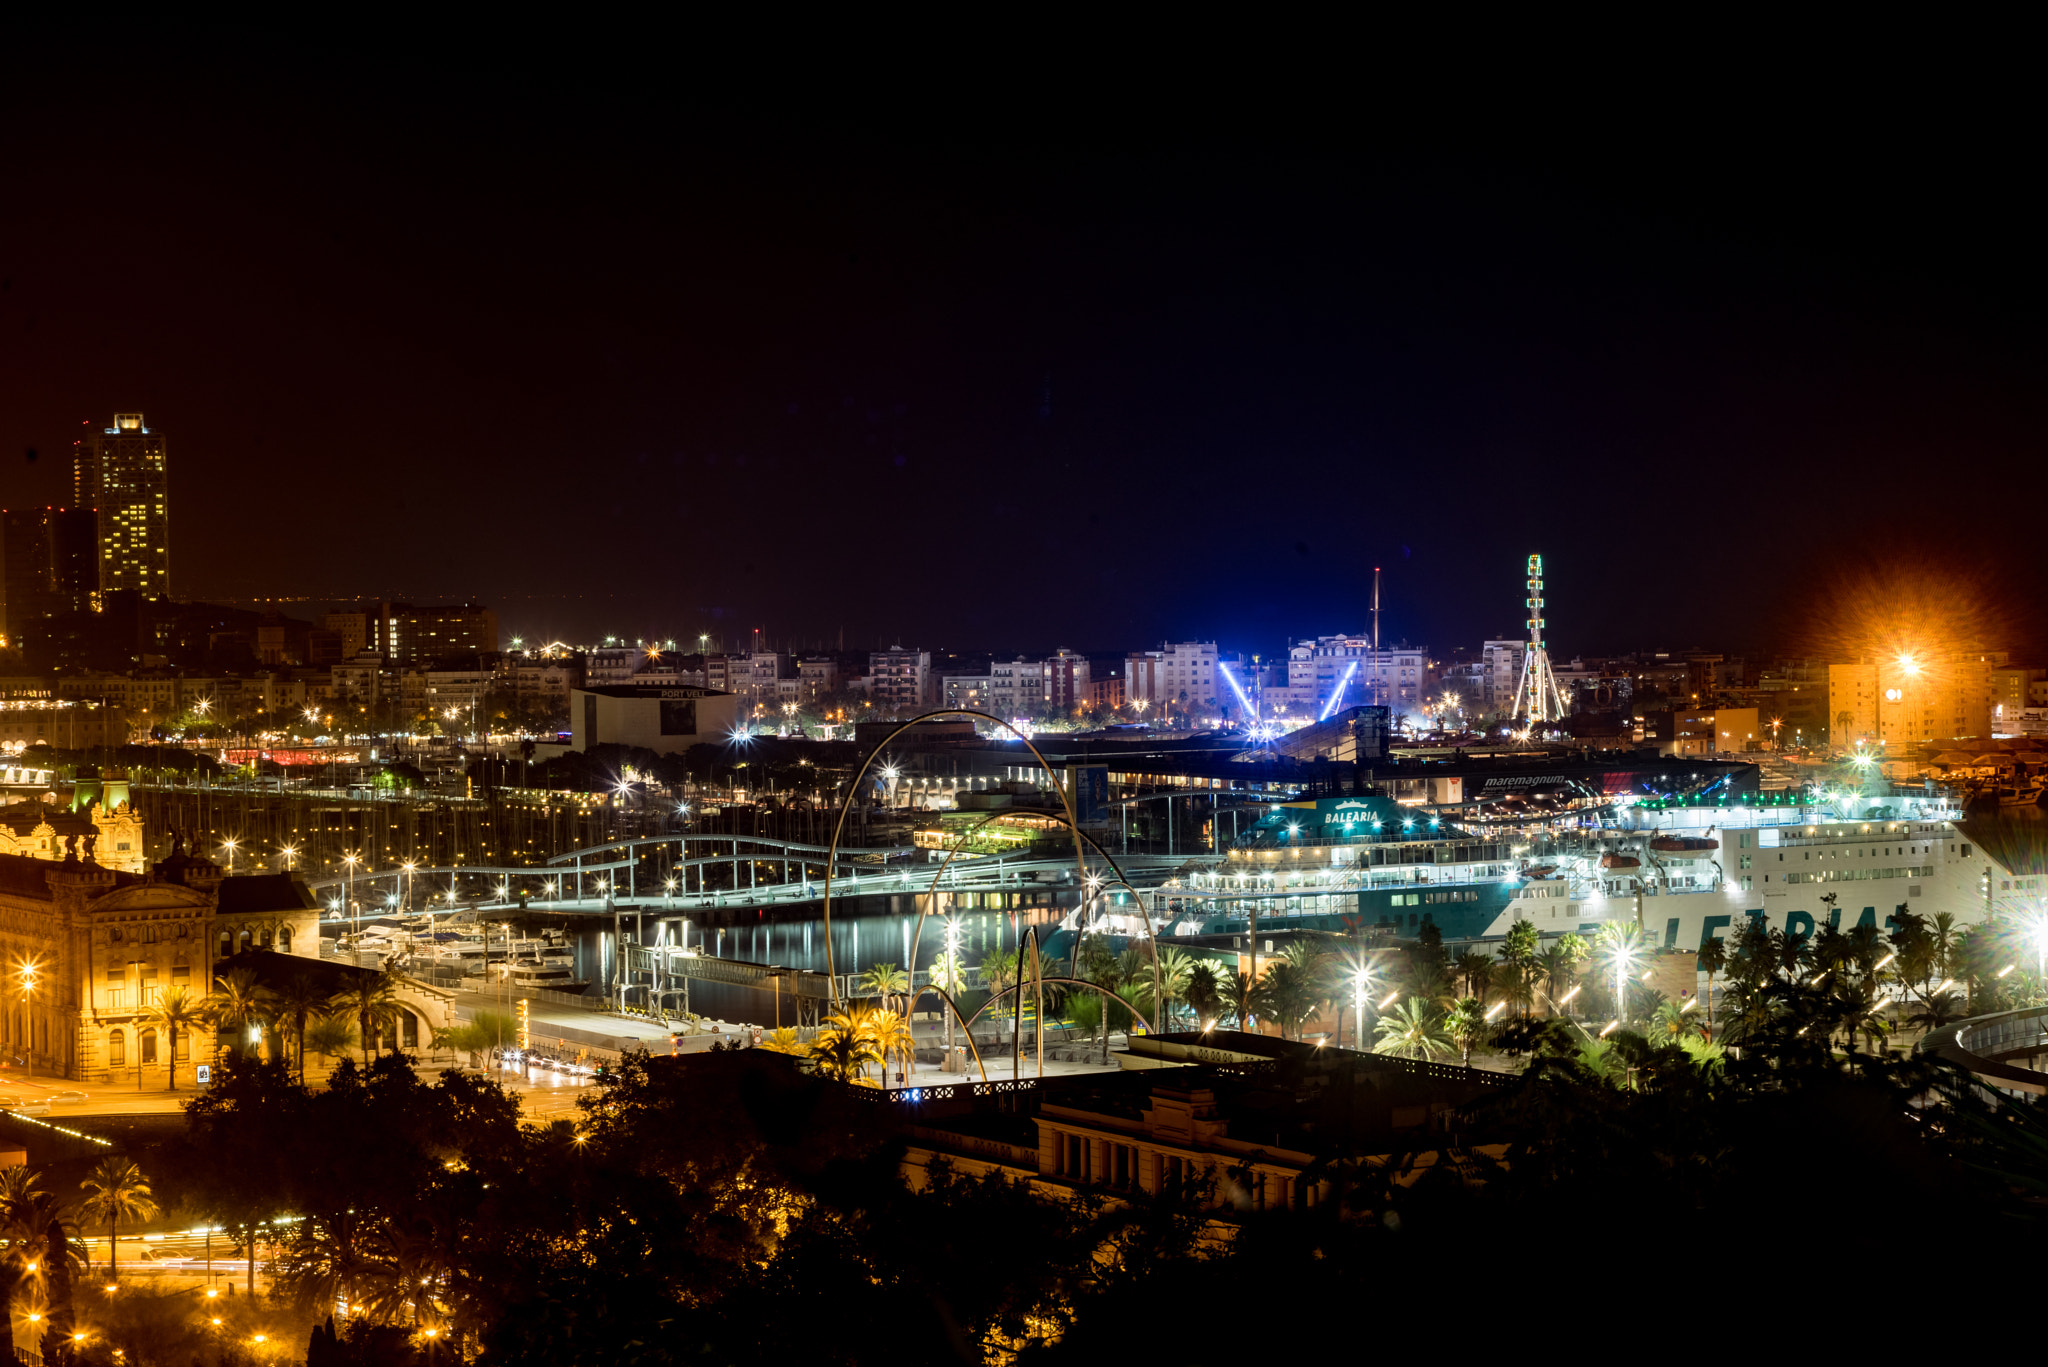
(865,931)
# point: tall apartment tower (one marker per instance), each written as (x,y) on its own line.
(121,472)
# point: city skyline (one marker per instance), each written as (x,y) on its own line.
(1215,377)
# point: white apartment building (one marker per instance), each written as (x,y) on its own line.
(358,679)
(1016,688)
(818,678)
(440,692)
(1395,677)
(1066,679)
(610,666)
(1178,673)
(547,680)
(970,691)
(1502,672)
(901,681)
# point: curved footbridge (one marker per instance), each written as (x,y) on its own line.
(1997,1049)
(668,871)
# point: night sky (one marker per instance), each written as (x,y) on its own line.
(1028,358)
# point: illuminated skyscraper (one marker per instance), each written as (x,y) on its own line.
(121,472)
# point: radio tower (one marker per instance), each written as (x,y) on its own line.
(1536,696)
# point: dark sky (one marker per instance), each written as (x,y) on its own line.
(1030,357)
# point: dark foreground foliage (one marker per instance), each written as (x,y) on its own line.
(735,1209)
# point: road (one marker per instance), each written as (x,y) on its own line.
(542,1096)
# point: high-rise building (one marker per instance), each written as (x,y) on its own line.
(121,472)
(1898,701)
(900,681)
(50,565)
(404,633)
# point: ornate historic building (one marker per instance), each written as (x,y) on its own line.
(109,833)
(86,951)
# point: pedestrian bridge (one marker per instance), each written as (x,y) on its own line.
(670,872)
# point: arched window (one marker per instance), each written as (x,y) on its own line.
(284,939)
(117,1049)
(114,935)
(149,1046)
(266,939)
(224,949)
(408,1029)
(241,942)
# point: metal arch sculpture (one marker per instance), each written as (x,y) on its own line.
(972,1048)
(1107,995)
(845,808)
(1151,939)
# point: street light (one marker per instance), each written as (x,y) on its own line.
(1359,980)
(229,845)
(290,853)
(353,911)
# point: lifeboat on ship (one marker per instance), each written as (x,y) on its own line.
(1620,861)
(1683,844)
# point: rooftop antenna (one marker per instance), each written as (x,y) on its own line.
(1536,696)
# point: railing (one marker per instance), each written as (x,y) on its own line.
(945,1091)
(1968,1043)
(540,994)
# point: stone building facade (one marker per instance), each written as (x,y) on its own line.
(87,951)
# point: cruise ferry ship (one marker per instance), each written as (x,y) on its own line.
(1683,868)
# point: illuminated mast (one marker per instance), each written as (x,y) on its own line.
(1376,635)
(1536,696)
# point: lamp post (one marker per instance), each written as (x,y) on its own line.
(229,845)
(354,913)
(1358,981)
(28,971)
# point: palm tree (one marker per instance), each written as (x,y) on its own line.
(886,981)
(783,1041)
(372,999)
(1203,992)
(21,1197)
(1413,1029)
(333,1035)
(299,1002)
(1288,996)
(949,975)
(1241,995)
(1555,966)
(1174,967)
(892,1038)
(1466,1024)
(1520,952)
(173,1011)
(998,971)
(237,1000)
(1476,972)
(117,1191)
(1714,959)
(1087,1010)
(1672,1023)
(844,1047)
